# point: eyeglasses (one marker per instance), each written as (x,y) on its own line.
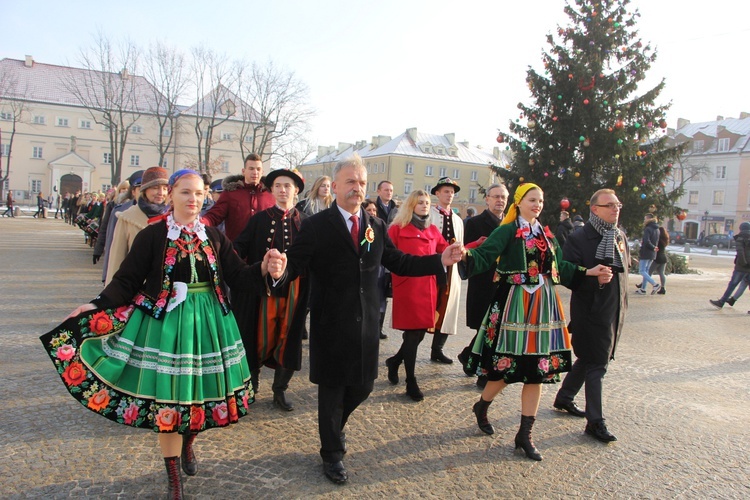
(611,206)
(496,197)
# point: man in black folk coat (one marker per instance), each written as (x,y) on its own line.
(597,311)
(481,286)
(342,258)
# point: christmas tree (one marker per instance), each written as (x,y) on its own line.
(589,127)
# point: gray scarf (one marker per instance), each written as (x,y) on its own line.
(609,250)
(420,221)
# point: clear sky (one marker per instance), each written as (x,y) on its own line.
(379,67)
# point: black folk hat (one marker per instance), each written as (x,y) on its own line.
(446,181)
(284,172)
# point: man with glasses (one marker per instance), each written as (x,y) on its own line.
(597,310)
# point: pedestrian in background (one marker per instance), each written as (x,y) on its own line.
(741,273)
(318,198)
(647,253)
(577,222)
(659,265)
(40,206)
(9,205)
(564,228)
(414,298)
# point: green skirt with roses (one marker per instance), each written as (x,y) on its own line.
(184,373)
(523,338)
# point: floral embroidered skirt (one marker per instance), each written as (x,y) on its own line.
(523,337)
(185,373)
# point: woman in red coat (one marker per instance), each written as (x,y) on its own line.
(414,299)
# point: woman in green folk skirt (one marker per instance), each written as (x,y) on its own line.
(159,347)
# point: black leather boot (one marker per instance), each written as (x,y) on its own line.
(173,476)
(393,363)
(413,390)
(523,438)
(480,410)
(382,321)
(189,463)
(438,342)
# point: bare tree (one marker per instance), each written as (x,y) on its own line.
(213,77)
(275,111)
(13,107)
(108,88)
(164,68)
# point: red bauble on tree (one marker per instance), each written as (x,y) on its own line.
(564,203)
(682,215)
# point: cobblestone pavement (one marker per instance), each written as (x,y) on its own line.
(676,397)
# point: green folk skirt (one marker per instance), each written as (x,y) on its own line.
(185,373)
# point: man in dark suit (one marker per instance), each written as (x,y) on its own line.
(481,286)
(342,248)
(597,310)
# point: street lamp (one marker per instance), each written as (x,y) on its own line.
(705,227)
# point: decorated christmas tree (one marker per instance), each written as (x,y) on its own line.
(590,126)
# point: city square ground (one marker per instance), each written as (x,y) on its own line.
(677,398)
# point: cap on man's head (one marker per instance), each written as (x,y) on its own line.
(217,186)
(135,178)
(578,218)
(292,174)
(154,176)
(446,181)
(745,226)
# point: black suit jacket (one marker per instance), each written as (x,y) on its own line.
(481,288)
(344,297)
(596,314)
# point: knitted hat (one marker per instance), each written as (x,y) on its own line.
(154,176)
(745,226)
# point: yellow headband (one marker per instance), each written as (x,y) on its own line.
(517,197)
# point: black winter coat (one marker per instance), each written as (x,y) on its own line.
(344,299)
(596,314)
(650,241)
(481,288)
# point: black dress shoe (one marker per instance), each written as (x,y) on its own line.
(571,408)
(279,399)
(600,432)
(383,336)
(439,357)
(335,472)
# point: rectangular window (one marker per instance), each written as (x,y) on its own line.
(167,132)
(136,129)
(428,171)
(698,146)
(39,120)
(693,198)
(443,171)
(204,134)
(225,167)
(427,187)
(85,124)
(4,149)
(106,187)
(226,136)
(248,139)
(718,198)
(37,152)
(62,122)
(409,168)
(36,186)
(164,163)
(456,173)
(723,145)
(721,172)
(135,160)
(382,168)
(472,195)
(374,185)
(107,158)
(6,116)
(407,187)
(474,175)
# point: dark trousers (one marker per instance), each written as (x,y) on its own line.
(590,374)
(281,378)
(335,404)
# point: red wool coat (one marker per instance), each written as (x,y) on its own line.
(415,298)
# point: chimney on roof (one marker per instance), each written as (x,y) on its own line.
(379,140)
(719,118)
(464,144)
(124,74)
(412,133)
(29,63)
(343,146)
(324,150)
(451,139)
(744,114)
(682,122)
(359,145)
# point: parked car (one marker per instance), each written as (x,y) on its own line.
(720,240)
(677,237)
